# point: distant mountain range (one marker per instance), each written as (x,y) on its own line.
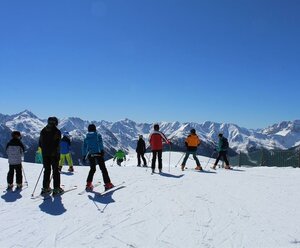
(124,133)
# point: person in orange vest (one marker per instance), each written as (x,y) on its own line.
(192,142)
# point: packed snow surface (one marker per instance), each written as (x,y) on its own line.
(244,207)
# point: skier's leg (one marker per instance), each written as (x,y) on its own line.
(47,171)
(19,177)
(103,169)
(55,171)
(144,159)
(10,175)
(92,170)
(139,159)
(196,159)
(154,153)
(187,154)
(159,153)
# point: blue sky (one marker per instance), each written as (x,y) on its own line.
(152,60)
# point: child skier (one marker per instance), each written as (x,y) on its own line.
(120,156)
(15,150)
(65,153)
(156,139)
(93,150)
(192,142)
(39,156)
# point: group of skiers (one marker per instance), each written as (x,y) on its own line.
(54,149)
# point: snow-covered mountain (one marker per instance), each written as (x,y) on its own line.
(123,134)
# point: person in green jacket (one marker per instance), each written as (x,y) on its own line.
(39,156)
(120,156)
(222,150)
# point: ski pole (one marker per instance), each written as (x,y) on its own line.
(180,159)
(37,181)
(26,182)
(169,157)
(209,159)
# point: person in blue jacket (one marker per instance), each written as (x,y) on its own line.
(93,150)
(65,152)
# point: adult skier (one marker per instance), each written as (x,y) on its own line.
(49,142)
(15,150)
(120,156)
(192,142)
(65,153)
(93,150)
(222,150)
(156,139)
(140,150)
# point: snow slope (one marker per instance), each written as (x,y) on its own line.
(246,207)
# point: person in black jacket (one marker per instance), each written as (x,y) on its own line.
(50,143)
(141,149)
(15,150)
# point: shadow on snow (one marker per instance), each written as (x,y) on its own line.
(53,206)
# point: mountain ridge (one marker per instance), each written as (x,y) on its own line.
(124,133)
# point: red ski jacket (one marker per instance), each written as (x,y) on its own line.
(156,140)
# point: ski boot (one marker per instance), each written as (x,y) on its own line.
(9,186)
(89,186)
(145,165)
(71,169)
(57,191)
(46,191)
(108,186)
(182,167)
(227,167)
(198,168)
(19,186)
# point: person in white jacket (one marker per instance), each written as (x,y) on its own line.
(15,150)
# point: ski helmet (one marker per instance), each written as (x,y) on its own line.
(65,133)
(193,130)
(92,128)
(220,135)
(52,121)
(156,127)
(16,134)
(140,136)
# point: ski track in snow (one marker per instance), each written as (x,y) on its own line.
(256,207)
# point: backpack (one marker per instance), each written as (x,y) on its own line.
(225,144)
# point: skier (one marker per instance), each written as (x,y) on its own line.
(49,141)
(192,142)
(65,153)
(120,156)
(93,150)
(15,150)
(222,150)
(39,156)
(156,139)
(140,150)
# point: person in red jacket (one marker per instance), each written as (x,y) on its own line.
(156,139)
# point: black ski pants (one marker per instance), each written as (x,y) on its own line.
(220,155)
(139,156)
(94,160)
(10,174)
(51,162)
(158,154)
